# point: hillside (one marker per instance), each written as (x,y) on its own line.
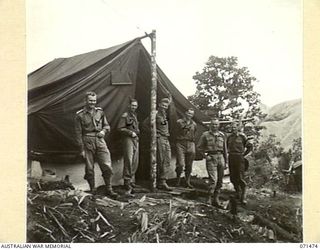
(284,120)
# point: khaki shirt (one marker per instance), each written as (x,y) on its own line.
(90,123)
(213,142)
(128,123)
(185,130)
(162,124)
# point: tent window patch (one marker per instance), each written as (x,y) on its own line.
(120,78)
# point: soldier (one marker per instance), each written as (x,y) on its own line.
(213,144)
(129,128)
(238,147)
(163,144)
(186,129)
(91,127)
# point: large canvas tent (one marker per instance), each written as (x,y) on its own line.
(56,92)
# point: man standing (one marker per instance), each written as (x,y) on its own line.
(129,128)
(163,145)
(91,126)
(213,144)
(238,148)
(186,129)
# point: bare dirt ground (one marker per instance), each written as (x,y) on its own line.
(58,213)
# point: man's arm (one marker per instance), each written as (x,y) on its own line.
(78,132)
(122,127)
(225,149)
(248,146)
(201,145)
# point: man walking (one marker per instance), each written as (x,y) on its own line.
(238,148)
(129,128)
(91,127)
(186,129)
(212,144)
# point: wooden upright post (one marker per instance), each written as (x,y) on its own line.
(153,151)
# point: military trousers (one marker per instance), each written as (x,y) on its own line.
(130,158)
(163,157)
(186,152)
(237,170)
(215,164)
(96,149)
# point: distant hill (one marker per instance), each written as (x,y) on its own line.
(283,120)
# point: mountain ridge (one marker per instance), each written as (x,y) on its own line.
(284,121)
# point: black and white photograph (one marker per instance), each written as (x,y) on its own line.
(164,121)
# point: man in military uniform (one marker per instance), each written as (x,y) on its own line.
(212,144)
(238,147)
(129,128)
(186,129)
(163,144)
(91,126)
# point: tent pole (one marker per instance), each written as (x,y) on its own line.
(153,145)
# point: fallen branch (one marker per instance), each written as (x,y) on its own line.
(279,231)
(46,229)
(83,210)
(52,237)
(104,219)
(59,224)
(86,236)
(104,235)
(29,200)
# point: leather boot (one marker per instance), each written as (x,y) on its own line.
(91,183)
(128,188)
(209,200)
(243,196)
(216,201)
(178,181)
(238,193)
(109,191)
(164,186)
(188,181)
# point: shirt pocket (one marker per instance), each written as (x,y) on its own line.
(239,141)
(210,141)
(86,121)
(98,121)
(164,121)
(129,121)
(220,141)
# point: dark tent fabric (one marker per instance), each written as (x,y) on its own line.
(56,92)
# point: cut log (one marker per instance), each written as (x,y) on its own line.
(280,232)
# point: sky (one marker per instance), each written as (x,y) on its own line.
(265,35)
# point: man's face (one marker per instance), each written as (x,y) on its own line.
(189,114)
(133,106)
(164,105)
(91,101)
(234,127)
(214,125)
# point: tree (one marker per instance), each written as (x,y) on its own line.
(270,147)
(296,149)
(226,90)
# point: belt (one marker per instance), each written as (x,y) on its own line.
(185,140)
(162,136)
(214,152)
(92,134)
(235,153)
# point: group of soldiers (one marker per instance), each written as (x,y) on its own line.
(220,151)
